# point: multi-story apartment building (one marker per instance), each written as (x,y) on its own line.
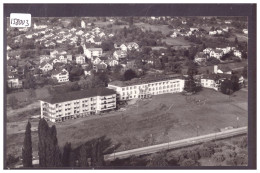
(78,104)
(144,88)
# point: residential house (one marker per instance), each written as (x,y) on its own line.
(238,54)
(118,54)
(174,35)
(207,50)
(92,52)
(216,53)
(44,58)
(200,57)
(96,61)
(222,70)
(61,75)
(245,31)
(80,59)
(129,46)
(112,62)
(13,81)
(46,66)
(212,32)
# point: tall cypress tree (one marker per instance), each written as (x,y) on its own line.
(83,159)
(66,155)
(27,147)
(49,152)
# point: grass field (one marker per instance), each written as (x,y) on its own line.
(164,28)
(177,42)
(161,119)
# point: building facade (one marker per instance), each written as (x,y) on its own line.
(78,104)
(146,88)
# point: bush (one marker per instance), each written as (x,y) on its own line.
(189,162)
(243,143)
(193,154)
(218,157)
(206,152)
(11,160)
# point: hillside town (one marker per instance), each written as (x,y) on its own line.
(74,70)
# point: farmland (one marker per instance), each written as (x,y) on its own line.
(161,119)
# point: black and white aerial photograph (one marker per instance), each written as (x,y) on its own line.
(124,92)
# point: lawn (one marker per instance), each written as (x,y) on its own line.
(177,42)
(164,28)
(161,119)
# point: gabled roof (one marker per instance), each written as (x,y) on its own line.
(75,95)
(44,63)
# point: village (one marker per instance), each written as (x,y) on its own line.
(83,73)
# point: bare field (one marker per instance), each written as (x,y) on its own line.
(161,119)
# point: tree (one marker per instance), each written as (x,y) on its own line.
(27,147)
(66,155)
(236,41)
(244,72)
(226,87)
(129,74)
(235,82)
(49,152)
(83,157)
(157,160)
(13,102)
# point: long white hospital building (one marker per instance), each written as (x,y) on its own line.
(144,88)
(78,104)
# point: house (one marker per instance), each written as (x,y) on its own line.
(112,62)
(118,54)
(60,75)
(227,22)
(54,61)
(13,81)
(62,58)
(83,24)
(55,52)
(174,35)
(96,61)
(238,54)
(194,29)
(212,32)
(207,50)
(129,46)
(80,59)
(44,58)
(245,31)
(69,57)
(222,70)
(111,35)
(39,26)
(92,52)
(225,29)
(200,57)
(216,53)
(184,22)
(46,66)
(219,31)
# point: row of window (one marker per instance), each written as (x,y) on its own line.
(153,84)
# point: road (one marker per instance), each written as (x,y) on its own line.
(177,144)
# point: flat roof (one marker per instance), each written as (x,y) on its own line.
(75,95)
(150,79)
